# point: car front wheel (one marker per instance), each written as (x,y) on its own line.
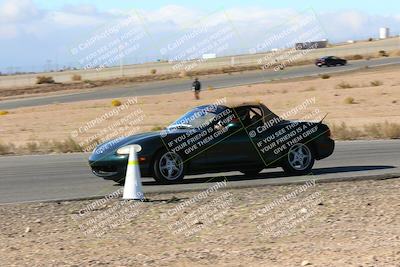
(168,167)
(299,160)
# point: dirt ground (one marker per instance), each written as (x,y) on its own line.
(329,224)
(371,104)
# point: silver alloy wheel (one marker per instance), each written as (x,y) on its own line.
(299,157)
(170,166)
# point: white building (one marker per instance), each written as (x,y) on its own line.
(383,33)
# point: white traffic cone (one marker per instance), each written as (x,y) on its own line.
(133,181)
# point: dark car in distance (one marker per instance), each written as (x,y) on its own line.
(330,61)
(216,138)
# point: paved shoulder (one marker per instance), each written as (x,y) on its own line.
(45,177)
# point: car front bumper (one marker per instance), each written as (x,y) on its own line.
(113,167)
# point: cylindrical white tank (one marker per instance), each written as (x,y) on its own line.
(383,33)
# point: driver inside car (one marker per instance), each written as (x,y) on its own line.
(244,116)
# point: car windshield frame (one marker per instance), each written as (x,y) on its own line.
(198,117)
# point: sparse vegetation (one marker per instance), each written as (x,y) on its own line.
(3,112)
(325,76)
(349,100)
(67,146)
(32,147)
(153,71)
(309,89)
(343,132)
(376,83)
(183,74)
(370,106)
(370,39)
(383,53)
(76,77)
(6,149)
(44,79)
(345,85)
(383,130)
(156,77)
(391,130)
(354,57)
(210,88)
(116,103)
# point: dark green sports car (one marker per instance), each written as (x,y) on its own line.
(217,138)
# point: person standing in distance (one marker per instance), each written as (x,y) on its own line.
(196,87)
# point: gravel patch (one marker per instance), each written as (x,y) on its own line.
(331,224)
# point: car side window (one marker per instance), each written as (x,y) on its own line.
(256,116)
(250,115)
(243,114)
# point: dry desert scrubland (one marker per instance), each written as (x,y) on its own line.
(363,104)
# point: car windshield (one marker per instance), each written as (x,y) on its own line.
(198,117)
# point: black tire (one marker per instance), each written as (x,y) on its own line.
(251,172)
(166,162)
(305,162)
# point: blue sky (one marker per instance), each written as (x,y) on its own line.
(37,33)
(369,6)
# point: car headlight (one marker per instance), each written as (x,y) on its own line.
(125,149)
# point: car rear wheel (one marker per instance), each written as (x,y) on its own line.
(299,160)
(168,167)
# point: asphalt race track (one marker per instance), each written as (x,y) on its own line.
(67,176)
(216,81)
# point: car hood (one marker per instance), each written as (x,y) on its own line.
(114,144)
